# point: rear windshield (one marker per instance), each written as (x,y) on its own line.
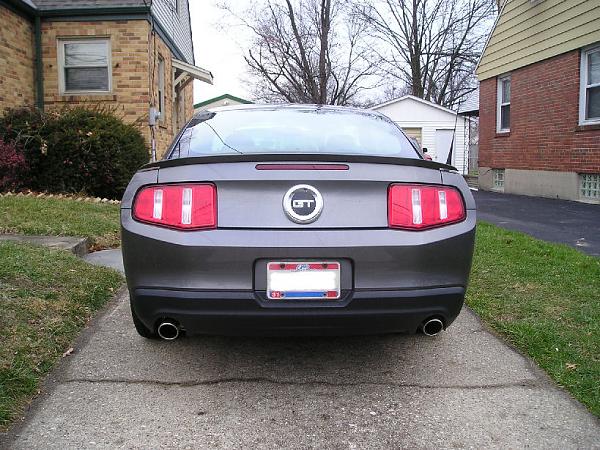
(282,131)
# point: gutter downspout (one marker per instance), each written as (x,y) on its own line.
(39,70)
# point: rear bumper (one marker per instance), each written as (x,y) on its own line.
(247,313)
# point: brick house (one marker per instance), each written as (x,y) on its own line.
(539,100)
(135,56)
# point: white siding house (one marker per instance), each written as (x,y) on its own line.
(435,127)
(221,100)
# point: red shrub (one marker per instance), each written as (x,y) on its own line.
(13,167)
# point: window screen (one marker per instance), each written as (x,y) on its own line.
(85,65)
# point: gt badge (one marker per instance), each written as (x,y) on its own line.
(303,203)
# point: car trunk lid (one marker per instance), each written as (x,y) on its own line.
(250,197)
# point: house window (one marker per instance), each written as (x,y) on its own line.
(84,65)
(589,97)
(503,109)
(161,87)
(589,185)
(498,175)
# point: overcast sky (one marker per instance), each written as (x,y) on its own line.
(217,50)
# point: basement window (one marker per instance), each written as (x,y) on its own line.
(84,66)
(498,179)
(589,91)
(589,186)
(503,105)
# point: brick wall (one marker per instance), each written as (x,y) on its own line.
(17,86)
(134,86)
(129,54)
(544,131)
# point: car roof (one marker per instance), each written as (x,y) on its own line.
(294,107)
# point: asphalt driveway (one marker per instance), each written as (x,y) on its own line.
(572,223)
(462,389)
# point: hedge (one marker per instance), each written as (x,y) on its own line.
(75,150)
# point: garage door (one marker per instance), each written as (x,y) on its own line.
(414,133)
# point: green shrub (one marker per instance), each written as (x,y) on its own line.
(76,150)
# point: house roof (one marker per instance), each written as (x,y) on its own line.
(172,25)
(51,5)
(222,97)
(25,6)
(85,4)
(412,97)
(470,107)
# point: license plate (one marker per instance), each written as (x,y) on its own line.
(303,280)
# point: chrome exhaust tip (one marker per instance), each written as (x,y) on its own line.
(432,327)
(168,330)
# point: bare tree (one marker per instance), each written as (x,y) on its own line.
(386,93)
(430,45)
(307,51)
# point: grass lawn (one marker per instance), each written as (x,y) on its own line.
(61,217)
(46,297)
(545,299)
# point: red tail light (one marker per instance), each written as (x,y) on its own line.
(181,206)
(417,207)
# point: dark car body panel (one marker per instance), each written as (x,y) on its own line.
(239,313)
(214,281)
(162,265)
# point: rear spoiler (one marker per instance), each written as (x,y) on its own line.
(268,157)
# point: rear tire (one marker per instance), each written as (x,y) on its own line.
(141,328)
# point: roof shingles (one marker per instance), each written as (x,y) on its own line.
(75,4)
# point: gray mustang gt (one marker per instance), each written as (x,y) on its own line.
(295,219)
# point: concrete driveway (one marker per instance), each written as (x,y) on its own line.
(462,389)
(572,223)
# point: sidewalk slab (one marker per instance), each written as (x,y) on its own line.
(77,245)
(112,258)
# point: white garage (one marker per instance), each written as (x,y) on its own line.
(437,129)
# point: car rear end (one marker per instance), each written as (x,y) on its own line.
(390,250)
